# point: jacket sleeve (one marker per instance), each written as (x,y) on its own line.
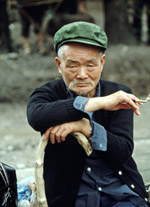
(120,137)
(45,109)
(119,128)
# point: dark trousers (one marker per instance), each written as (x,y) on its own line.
(108,202)
(33,14)
(5,40)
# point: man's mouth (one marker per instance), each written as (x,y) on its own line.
(79,84)
(82,84)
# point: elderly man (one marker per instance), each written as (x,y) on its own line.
(101,110)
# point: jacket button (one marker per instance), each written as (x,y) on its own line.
(100,145)
(120,172)
(89,169)
(132,186)
(99,189)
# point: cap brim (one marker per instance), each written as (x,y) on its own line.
(84,41)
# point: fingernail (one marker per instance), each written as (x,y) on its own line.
(139,113)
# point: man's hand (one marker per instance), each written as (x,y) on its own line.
(59,133)
(113,102)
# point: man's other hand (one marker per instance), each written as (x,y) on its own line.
(59,133)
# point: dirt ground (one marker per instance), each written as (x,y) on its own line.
(20,74)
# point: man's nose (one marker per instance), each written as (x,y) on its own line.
(82,73)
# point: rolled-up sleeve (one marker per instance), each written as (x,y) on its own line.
(79,104)
(99,137)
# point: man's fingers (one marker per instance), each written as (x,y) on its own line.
(56,134)
(64,134)
(61,133)
(50,133)
(53,135)
(135,106)
(131,100)
(46,134)
(137,112)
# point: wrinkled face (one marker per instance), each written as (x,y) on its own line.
(80,67)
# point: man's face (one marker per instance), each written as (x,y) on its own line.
(81,67)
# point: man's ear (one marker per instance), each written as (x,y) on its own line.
(58,63)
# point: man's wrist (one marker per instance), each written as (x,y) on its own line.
(90,134)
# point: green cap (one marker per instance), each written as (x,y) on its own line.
(82,32)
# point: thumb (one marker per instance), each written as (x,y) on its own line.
(45,136)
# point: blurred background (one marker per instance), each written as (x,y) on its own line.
(27,28)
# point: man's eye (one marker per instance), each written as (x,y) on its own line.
(90,65)
(72,66)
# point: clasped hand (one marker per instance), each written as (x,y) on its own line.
(59,133)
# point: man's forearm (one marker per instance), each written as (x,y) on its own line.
(113,102)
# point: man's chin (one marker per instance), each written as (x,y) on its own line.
(82,93)
(86,94)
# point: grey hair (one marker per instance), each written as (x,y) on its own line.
(63,47)
(61,50)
